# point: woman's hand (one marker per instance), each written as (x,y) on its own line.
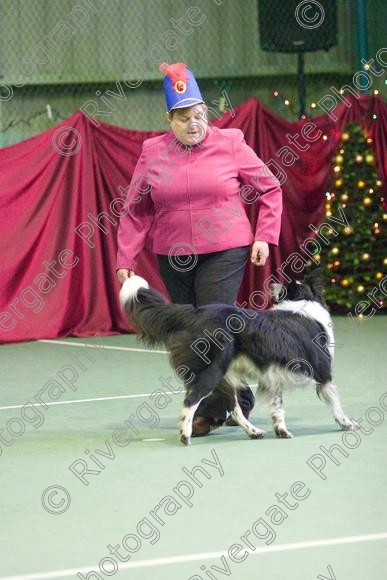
(259,253)
(123,274)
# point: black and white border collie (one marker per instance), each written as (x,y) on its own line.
(220,347)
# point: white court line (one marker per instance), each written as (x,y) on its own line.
(99,398)
(89,400)
(104,347)
(204,556)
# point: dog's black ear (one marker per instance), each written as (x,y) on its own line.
(315,281)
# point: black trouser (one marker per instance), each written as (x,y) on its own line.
(215,278)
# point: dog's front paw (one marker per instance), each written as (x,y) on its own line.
(348,425)
(255,433)
(282,433)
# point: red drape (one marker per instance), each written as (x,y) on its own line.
(59,181)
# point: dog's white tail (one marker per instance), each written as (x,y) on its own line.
(130,287)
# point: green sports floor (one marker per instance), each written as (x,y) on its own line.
(139,504)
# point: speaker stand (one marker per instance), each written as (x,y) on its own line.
(301,82)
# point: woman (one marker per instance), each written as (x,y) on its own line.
(190,188)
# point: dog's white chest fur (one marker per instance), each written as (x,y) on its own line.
(243,371)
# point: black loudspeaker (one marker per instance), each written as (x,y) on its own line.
(297,25)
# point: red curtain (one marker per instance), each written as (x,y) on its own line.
(57,283)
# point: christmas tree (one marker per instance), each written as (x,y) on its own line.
(355,260)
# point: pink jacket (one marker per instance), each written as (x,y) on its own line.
(193,199)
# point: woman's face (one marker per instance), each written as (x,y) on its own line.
(189,124)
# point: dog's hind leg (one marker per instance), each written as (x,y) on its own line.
(187,416)
(238,416)
(330,395)
(203,386)
(271,393)
(277,412)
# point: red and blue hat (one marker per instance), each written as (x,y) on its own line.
(180,86)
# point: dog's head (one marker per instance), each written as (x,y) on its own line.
(311,288)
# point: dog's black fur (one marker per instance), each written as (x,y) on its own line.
(276,345)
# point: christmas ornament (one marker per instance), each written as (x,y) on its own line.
(361,184)
(367,200)
(345,136)
(345,282)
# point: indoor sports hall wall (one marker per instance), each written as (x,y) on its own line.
(64,53)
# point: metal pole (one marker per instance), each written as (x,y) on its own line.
(301,82)
(362,31)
